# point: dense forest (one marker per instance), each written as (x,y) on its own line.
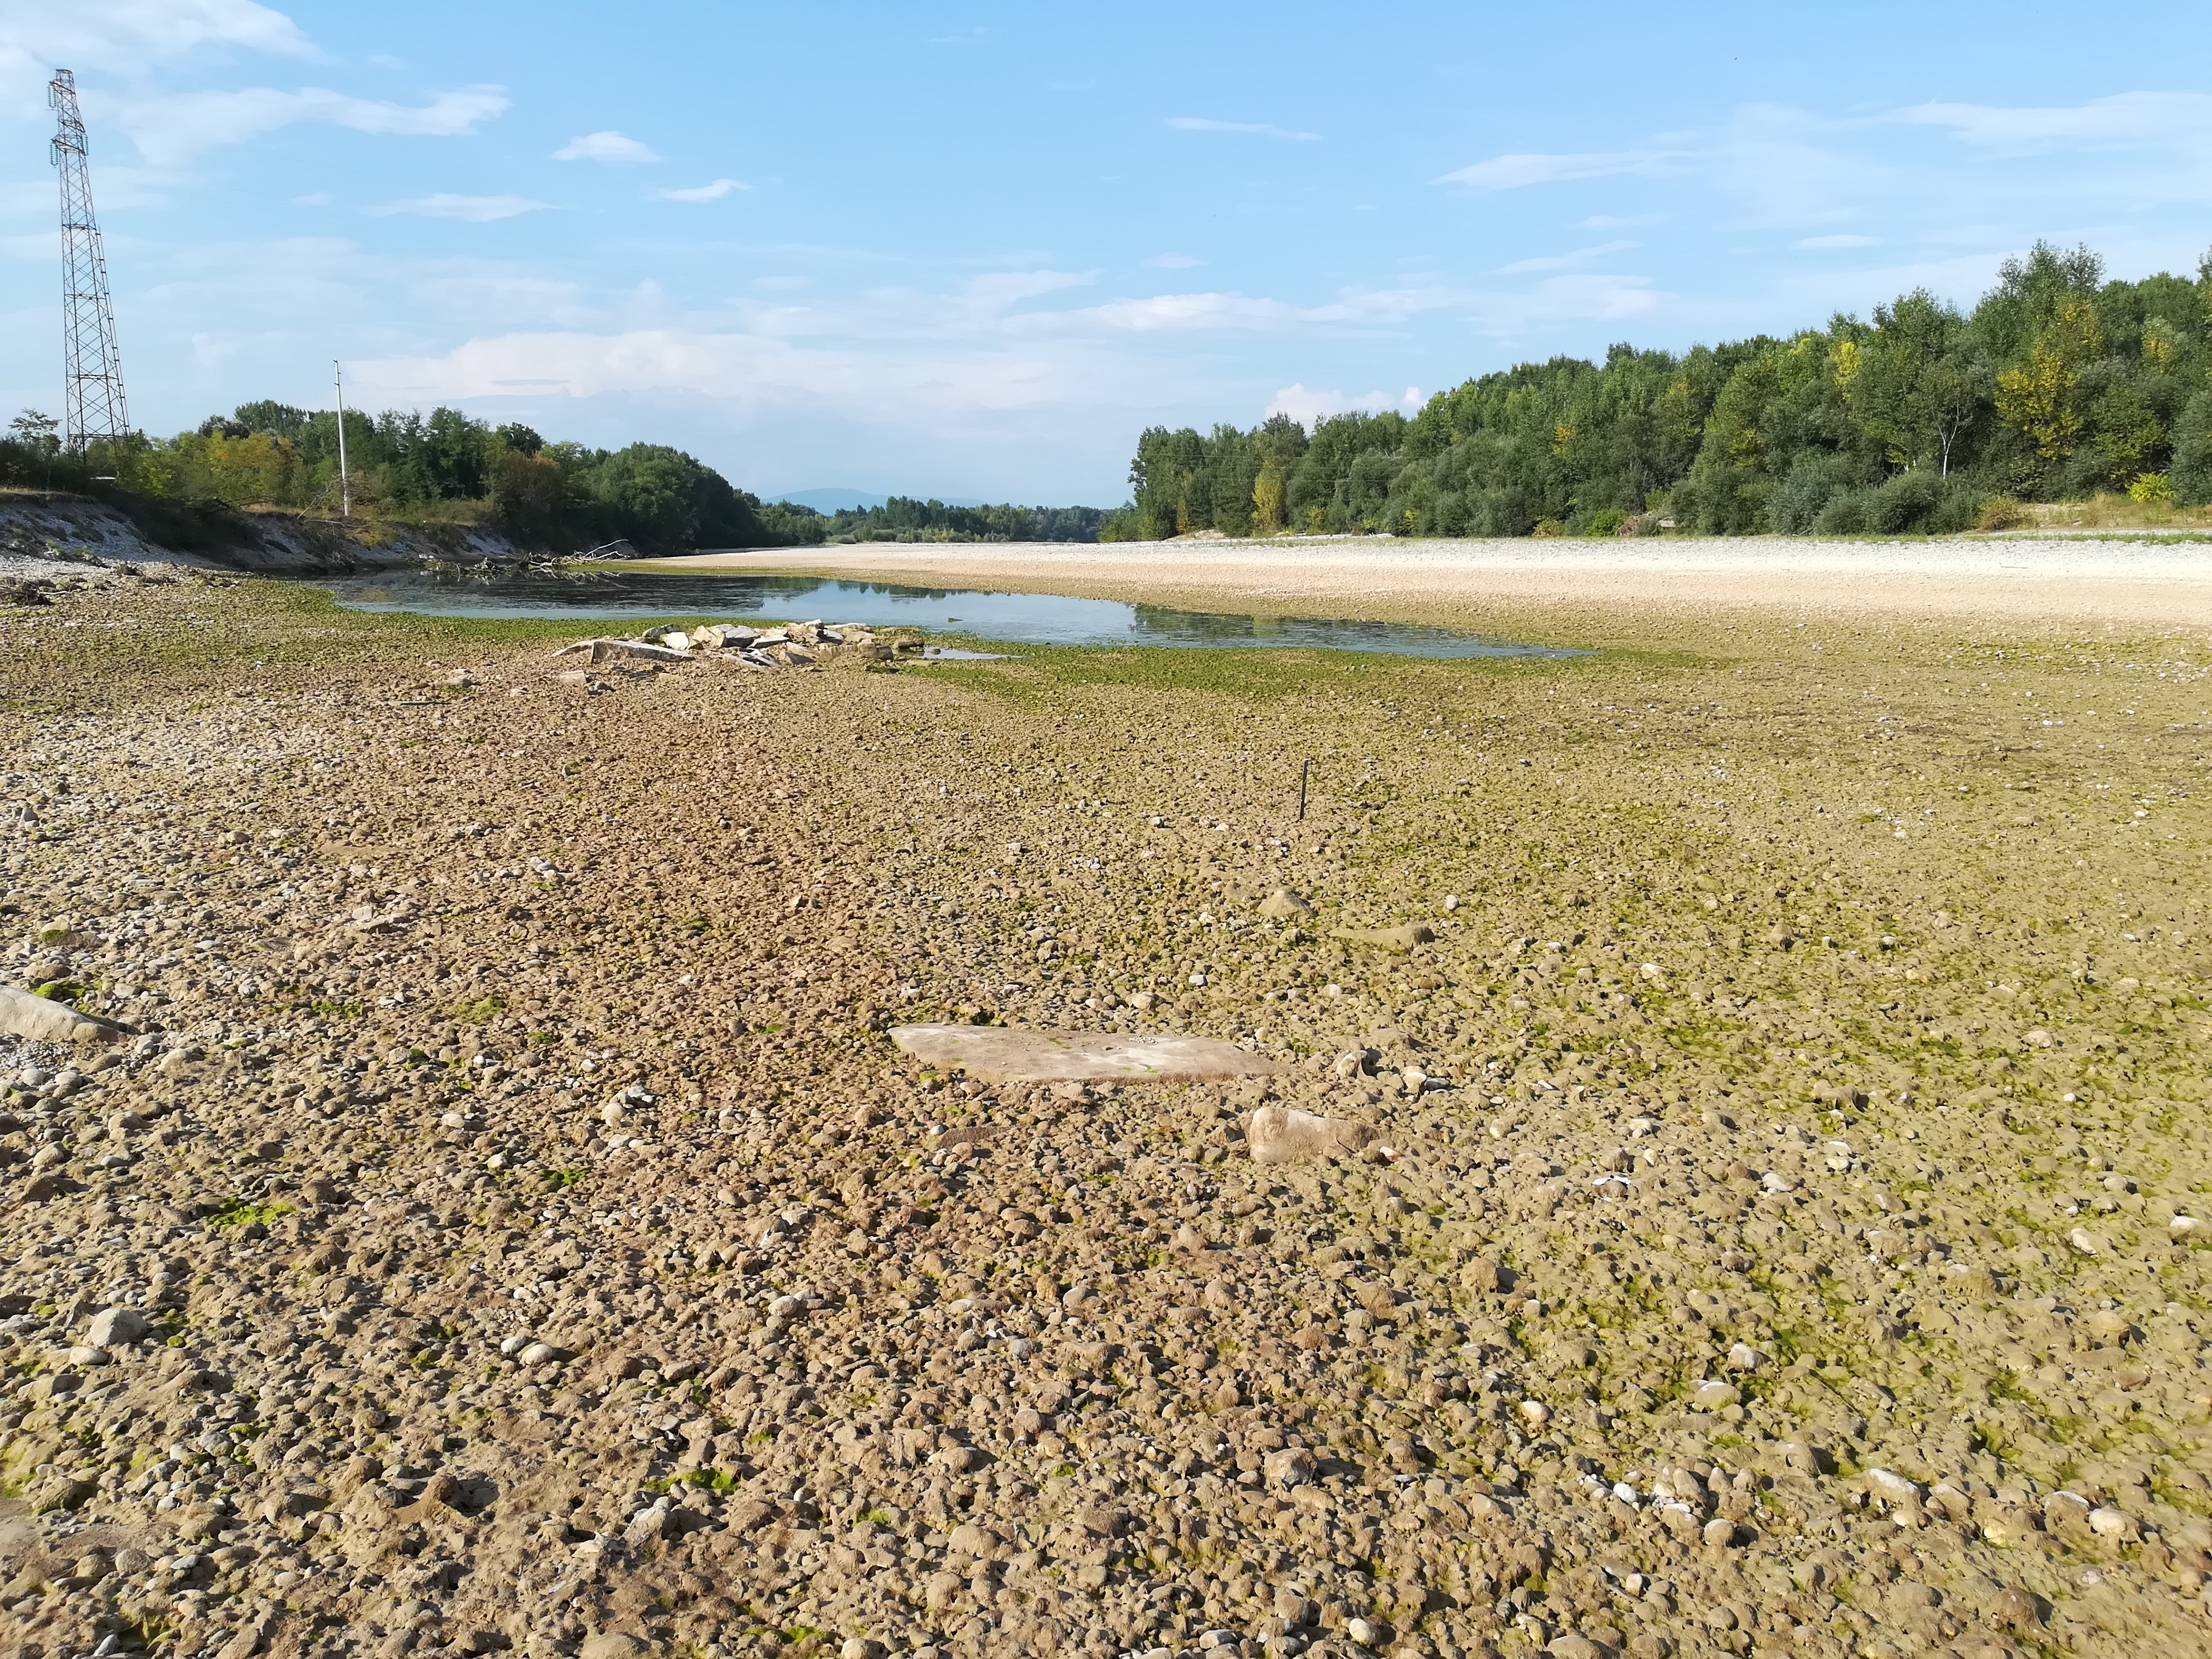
(2057,385)
(447,466)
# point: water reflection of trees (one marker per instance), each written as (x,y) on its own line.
(1157,625)
(1035,618)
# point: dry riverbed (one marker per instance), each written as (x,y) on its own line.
(510,1227)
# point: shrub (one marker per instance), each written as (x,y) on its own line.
(2149,486)
(1812,480)
(1844,514)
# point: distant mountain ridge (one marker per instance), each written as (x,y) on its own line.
(849,500)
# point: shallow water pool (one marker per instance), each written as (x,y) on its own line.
(1010,618)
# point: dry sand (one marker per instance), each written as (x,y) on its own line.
(2122,583)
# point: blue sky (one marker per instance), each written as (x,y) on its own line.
(973,250)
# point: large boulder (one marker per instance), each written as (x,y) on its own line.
(42,1019)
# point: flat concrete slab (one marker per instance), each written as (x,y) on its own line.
(992,1054)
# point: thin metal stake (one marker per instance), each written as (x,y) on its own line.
(1305,771)
(345,483)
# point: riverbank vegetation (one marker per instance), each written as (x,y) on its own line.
(441,468)
(2057,387)
(447,468)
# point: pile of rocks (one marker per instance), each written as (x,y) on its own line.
(795,644)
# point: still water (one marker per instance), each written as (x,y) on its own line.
(617,597)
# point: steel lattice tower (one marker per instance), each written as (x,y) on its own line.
(95,410)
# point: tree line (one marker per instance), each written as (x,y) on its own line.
(2057,385)
(402,464)
(448,466)
(903,519)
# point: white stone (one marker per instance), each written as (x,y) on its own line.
(112,1325)
(1890,1484)
(2115,1524)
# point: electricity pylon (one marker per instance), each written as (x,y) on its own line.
(94,411)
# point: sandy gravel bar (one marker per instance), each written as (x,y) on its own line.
(2127,583)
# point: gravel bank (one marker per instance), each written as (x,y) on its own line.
(2124,583)
(1775,1224)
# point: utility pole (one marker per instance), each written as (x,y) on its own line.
(345,483)
(93,406)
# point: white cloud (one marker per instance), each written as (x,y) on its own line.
(1250,128)
(2127,117)
(1515,172)
(1173,262)
(1309,408)
(713,193)
(476,210)
(169,128)
(1839,242)
(605,146)
(1563,261)
(1616,221)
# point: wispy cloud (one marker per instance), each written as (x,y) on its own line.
(171,128)
(1839,242)
(606,146)
(125,38)
(1173,262)
(1581,256)
(714,192)
(475,209)
(1250,128)
(1517,172)
(2125,119)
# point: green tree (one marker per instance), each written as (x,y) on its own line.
(2040,397)
(1919,383)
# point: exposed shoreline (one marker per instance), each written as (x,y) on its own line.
(515,1229)
(2071,579)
